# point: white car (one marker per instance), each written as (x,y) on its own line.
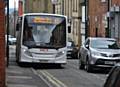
(11,40)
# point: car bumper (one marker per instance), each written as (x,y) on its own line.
(103,61)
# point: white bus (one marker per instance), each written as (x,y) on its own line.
(41,38)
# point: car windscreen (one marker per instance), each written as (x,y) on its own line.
(104,44)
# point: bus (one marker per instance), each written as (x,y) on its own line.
(41,38)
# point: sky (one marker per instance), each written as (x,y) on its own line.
(12,3)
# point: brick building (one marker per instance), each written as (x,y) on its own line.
(115,2)
(34,6)
(97,18)
(2,43)
(103,19)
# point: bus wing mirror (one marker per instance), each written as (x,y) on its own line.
(69,29)
(17,27)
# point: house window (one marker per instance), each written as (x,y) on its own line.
(75,2)
(103,0)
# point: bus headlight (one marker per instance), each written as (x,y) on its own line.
(28,53)
(60,53)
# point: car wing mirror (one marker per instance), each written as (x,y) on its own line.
(87,46)
(17,27)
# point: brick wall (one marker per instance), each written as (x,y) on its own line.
(2,44)
(116,2)
(97,10)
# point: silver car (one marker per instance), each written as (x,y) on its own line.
(98,52)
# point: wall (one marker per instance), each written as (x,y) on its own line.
(43,6)
(97,18)
(2,44)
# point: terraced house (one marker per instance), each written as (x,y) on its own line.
(31,6)
(72,9)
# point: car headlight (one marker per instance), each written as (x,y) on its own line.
(93,53)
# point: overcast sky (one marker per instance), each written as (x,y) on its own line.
(12,3)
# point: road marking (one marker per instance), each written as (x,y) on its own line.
(14,72)
(20,85)
(19,77)
(58,81)
(49,79)
(41,77)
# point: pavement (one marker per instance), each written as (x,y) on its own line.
(17,76)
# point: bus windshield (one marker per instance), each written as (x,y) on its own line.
(44,31)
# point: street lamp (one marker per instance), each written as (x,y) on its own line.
(86,18)
(53,3)
(7,53)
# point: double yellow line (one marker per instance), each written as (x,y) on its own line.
(51,79)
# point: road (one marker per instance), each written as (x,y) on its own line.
(68,75)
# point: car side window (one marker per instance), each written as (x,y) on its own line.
(112,78)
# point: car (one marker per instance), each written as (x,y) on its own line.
(113,78)
(11,40)
(71,50)
(98,52)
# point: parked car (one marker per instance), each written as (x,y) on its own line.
(113,79)
(71,50)
(98,52)
(11,40)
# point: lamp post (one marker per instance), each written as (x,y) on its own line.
(14,18)
(108,31)
(86,19)
(53,3)
(7,53)
(108,9)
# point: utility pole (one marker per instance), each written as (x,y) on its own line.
(2,43)
(86,18)
(108,23)
(14,18)
(7,50)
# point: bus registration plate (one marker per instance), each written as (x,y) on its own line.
(45,50)
(43,61)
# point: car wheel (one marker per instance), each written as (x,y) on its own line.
(81,65)
(88,67)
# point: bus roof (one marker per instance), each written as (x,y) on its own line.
(49,14)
